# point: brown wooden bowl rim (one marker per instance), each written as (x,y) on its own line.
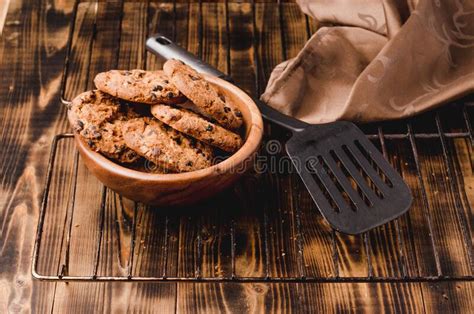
(250,147)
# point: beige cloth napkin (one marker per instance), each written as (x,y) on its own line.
(386,59)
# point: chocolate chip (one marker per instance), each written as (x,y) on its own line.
(226,109)
(222,97)
(157,88)
(166,81)
(209,128)
(96,135)
(238,113)
(153,97)
(170,95)
(189,163)
(90,143)
(79,125)
(130,155)
(177,140)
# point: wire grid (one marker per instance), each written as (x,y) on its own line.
(376,132)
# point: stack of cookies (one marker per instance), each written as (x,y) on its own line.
(172,119)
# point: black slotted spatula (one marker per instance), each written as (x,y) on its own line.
(353,186)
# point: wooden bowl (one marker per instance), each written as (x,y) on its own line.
(183,188)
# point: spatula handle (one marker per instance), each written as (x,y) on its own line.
(165,48)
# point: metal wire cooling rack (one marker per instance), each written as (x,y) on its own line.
(421,139)
(302,277)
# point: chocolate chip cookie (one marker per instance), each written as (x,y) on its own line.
(98,118)
(149,87)
(189,105)
(203,94)
(166,147)
(193,125)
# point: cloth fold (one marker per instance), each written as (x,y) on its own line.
(389,59)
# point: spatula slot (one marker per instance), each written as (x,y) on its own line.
(352,181)
(370,183)
(311,168)
(336,182)
(330,184)
(374,164)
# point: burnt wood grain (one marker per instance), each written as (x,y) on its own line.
(270,216)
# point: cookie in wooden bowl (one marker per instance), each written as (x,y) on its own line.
(166,147)
(98,118)
(148,87)
(203,94)
(192,124)
(173,189)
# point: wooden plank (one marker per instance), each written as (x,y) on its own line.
(319,257)
(448,297)
(300,298)
(418,251)
(317,247)
(119,212)
(242,66)
(134,31)
(80,56)
(386,246)
(447,227)
(88,214)
(157,229)
(237,298)
(312,25)
(162,20)
(462,163)
(279,214)
(362,297)
(116,236)
(153,259)
(59,202)
(214,48)
(133,297)
(270,47)
(204,228)
(294,29)
(250,259)
(464,170)
(89,191)
(29,116)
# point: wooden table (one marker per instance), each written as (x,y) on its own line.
(261,213)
